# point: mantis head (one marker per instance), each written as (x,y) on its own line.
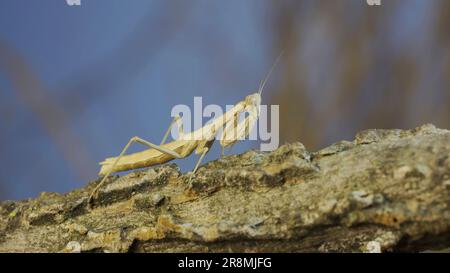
(253,100)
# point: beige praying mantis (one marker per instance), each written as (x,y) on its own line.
(199,140)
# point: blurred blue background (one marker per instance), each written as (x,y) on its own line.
(76,82)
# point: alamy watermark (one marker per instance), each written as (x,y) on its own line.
(373,2)
(73,2)
(227,126)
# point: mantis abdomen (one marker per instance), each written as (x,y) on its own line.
(146,158)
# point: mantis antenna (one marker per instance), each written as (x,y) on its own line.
(263,83)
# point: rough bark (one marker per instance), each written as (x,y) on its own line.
(388,190)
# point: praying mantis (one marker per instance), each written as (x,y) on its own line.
(199,140)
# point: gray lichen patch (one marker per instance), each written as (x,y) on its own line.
(388,190)
(335,148)
(255,171)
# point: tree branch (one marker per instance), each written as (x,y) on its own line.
(388,190)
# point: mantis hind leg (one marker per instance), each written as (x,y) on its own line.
(176,119)
(131,141)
